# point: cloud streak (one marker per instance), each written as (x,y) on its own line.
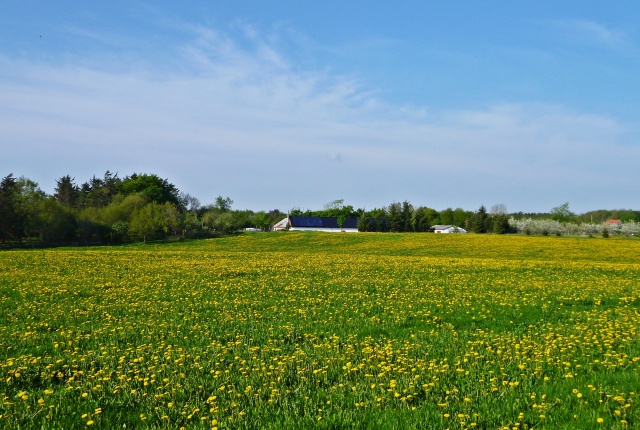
(591,33)
(236,118)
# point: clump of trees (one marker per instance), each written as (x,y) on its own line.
(112,209)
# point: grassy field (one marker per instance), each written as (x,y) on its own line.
(303,330)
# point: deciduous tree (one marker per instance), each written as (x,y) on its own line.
(562,213)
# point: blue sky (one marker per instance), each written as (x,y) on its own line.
(299,103)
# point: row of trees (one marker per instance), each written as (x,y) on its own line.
(562,221)
(562,213)
(553,227)
(144,207)
(111,209)
(404,217)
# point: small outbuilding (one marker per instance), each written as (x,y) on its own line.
(447,229)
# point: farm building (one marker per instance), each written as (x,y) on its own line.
(447,229)
(317,223)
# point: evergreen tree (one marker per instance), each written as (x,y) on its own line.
(395,217)
(500,224)
(479,222)
(406,214)
(66,191)
(420,220)
(366,223)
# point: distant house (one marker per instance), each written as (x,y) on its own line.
(447,229)
(615,222)
(317,223)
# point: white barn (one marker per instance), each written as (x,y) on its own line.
(317,223)
(448,229)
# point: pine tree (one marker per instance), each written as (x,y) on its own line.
(66,192)
(479,222)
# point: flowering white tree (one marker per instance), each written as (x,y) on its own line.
(549,226)
(630,228)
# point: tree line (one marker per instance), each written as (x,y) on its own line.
(110,209)
(142,207)
(404,217)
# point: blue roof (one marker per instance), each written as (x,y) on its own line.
(321,222)
(306,221)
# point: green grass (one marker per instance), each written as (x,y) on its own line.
(300,330)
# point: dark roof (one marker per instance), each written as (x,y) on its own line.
(322,222)
(306,221)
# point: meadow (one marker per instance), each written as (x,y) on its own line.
(311,330)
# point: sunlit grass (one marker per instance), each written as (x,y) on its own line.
(331,330)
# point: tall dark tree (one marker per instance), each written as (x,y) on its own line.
(84,195)
(366,223)
(382,220)
(395,217)
(12,216)
(421,220)
(406,214)
(479,222)
(96,197)
(111,184)
(500,223)
(99,192)
(66,191)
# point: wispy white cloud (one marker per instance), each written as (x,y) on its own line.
(236,119)
(597,32)
(592,33)
(101,37)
